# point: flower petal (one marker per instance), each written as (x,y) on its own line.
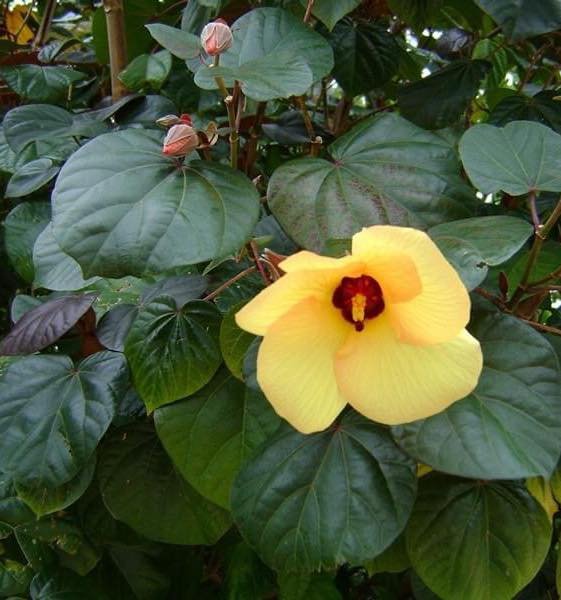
(393,382)
(309,261)
(295,365)
(277,299)
(440,309)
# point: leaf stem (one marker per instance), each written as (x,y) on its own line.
(309,9)
(230,282)
(254,136)
(533,211)
(315,140)
(541,235)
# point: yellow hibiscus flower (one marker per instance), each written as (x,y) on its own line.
(381,329)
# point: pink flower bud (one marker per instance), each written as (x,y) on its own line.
(216,37)
(180,140)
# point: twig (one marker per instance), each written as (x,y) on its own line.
(45,25)
(541,327)
(309,9)
(23,23)
(228,283)
(252,247)
(539,239)
(254,136)
(115,18)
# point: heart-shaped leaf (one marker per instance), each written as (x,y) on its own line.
(180,43)
(173,352)
(311,501)
(509,427)
(329,13)
(475,540)
(55,270)
(385,170)
(120,207)
(521,157)
(141,487)
(45,324)
(30,177)
(54,413)
(40,84)
(239,418)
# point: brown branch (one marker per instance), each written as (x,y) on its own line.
(45,25)
(254,133)
(115,18)
(309,9)
(541,327)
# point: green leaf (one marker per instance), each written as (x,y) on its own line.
(385,170)
(147,71)
(308,586)
(234,342)
(55,270)
(548,261)
(41,84)
(439,99)
(21,228)
(393,559)
(509,427)
(312,501)
(542,108)
(44,122)
(239,418)
(472,540)
(46,500)
(141,487)
(14,578)
(329,13)
(262,79)
(53,414)
(180,43)
(31,177)
(64,584)
(246,576)
(173,352)
(122,208)
(417,13)
(265,41)
(520,19)
(471,245)
(521,157)
(366,55)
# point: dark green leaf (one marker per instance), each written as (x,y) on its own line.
(121,208)
(475,540)
(542,108)
(173,352)
(180,43)
(45,324)
(14,578)
(41,84)
(518,158)
(366,55)
(521,19)
(45,500)
(181,288)
(34,122)
(240,420)
(64,585)
(329,13)
(234,341)
(55,270)
(309,586)
(311,501)
(114,326)
(471,245)
(54,413)
(510,426)
(30,177)
(385,170)
(147,71)
(439,99)
(140,486)
(22,226)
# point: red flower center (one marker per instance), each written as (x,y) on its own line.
(359,298)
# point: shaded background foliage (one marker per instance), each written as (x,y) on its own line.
(138,456)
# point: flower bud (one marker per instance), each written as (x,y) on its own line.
(168,120)
(216,37)
(180,140)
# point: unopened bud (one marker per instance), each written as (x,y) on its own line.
(168,120)
(216,37)
(180,140)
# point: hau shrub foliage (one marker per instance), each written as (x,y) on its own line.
(170,430)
